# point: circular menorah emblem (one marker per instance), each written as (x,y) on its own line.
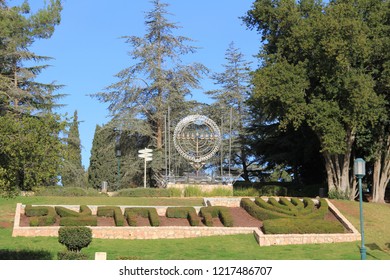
(197,138)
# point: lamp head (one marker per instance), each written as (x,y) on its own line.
(359,167)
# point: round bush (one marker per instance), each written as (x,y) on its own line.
(75,238)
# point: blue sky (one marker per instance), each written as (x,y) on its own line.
(88,51)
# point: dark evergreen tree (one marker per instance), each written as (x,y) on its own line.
(230,104)
(72,171)
(102,164)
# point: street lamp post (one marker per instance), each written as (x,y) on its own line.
(359,170)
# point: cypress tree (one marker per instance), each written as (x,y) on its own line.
(73,171)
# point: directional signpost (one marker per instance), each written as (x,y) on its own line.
(146,154)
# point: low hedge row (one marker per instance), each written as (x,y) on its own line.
(66,212)
(221,212)
(301,226)
(79,221)
(146,212)
(40,215)
(111,211)
(185,213)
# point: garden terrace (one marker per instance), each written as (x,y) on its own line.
(117,222)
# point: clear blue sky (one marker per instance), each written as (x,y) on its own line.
(88,51)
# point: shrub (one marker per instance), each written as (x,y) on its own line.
(309,206)
(67,191)
(66,212)
(146,212)
(269,206)
(71,255)
(79,221)
(111,211)
(272,190)
(75,238)
(301,226)
(298,203)
(220,212)
(320,212)
(240,191)
(184,212)
(40,215)
(147,192)
(260,213)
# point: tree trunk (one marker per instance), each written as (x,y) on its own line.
(159,136)
(381,174)
(338,166)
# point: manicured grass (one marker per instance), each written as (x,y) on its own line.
(236,247)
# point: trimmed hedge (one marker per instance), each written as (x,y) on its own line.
(79,221)
(320,212)
(71,255)
(148,192)
(32,211)
(301,226)
(270,207)
(260,213)
(145,212)
(66,212)
(111,211)
(220,212)
(184,212)
(298,203)
(40,215)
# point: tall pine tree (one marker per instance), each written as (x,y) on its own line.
(30,148)
(230,104)
(141,97)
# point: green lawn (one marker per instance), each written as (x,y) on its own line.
(377,228)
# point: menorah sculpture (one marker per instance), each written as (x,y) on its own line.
(197,138)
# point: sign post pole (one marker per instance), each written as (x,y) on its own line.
(146,154)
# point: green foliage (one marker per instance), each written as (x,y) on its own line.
(233,93)
(158,79)
(149,192)
(339,194)
(40,215)
(270,190)
(193,191)
(66,212)
(75,238)
(71,255)
(72,172)
(261,213)
(321,68)
(102,163)
(221,212)
(25,254)
(79,221)
(301,226)
(69,191)
(111,211)
(145,212)
(184,212)
(30,150)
